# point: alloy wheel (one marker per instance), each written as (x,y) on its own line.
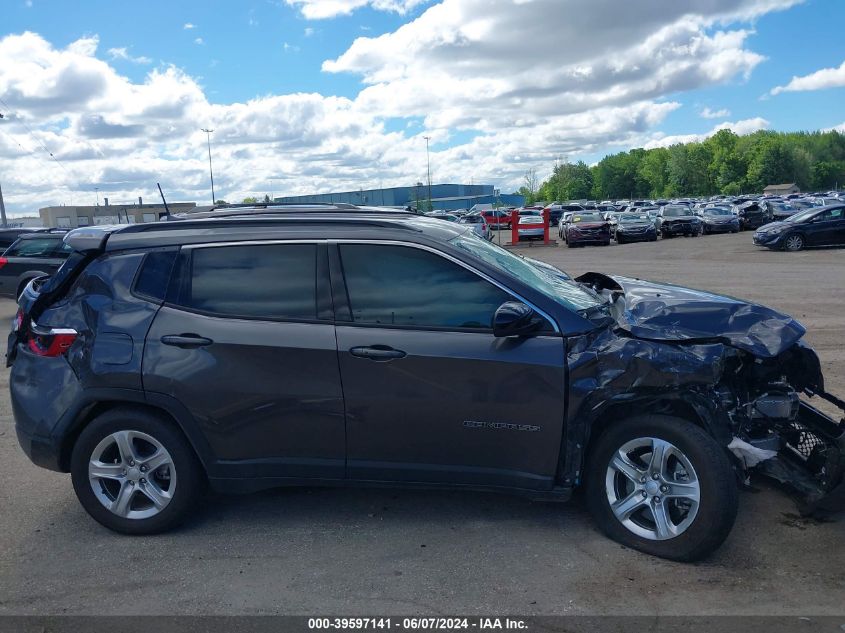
(794,243)
(652,488)
(132,474)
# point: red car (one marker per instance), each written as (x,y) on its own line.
(586,228)
(497,219)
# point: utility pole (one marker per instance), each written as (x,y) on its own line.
(210,172)
(2,209)
(428,168)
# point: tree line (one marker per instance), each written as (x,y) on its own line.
(722,164)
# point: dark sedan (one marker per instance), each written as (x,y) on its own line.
(635,227)
(587,228)
(720,220)
(32,255)
(824,226)
(677,219)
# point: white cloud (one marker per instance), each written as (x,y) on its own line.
(290,48)
(707,113)
(323,9)
(308,31)
(199,41)
(123,54)
(745,126)
(461,72)
(188,26)
(819,80)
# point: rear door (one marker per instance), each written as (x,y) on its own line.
(246,343)
(431,395)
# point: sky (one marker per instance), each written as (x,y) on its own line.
(105,99)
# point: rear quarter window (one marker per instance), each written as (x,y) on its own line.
(154,274)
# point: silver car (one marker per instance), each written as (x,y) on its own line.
(531,227)
(479,225)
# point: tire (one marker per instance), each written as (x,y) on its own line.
(707,230)
(712,517)
(178,483)
(793,243)
(620,239)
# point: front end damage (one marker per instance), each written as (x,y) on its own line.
(739,368)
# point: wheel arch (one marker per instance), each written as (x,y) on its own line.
(687,404)
(97,404)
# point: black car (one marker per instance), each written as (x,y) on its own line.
(635,227)
(10,236)
(719,220)
(32,255)
(677,219)
(751,215)
(824,226)
(345,346)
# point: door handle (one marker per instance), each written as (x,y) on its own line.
(377,352)
(186,341)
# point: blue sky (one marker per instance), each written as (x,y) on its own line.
(321,95)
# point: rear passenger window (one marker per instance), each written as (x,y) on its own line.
(155,274)
(273,281)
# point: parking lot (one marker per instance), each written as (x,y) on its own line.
(417,552)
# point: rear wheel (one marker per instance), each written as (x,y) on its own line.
(793,243)
(134,472)
(662,485)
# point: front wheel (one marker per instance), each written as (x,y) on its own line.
(793,243)
(134,472)
(662,485)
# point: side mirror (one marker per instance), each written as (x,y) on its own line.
(514,318)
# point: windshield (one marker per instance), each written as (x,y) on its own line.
(675,212)
(587,217)
(567,293)
(718,212)
(802,216)
(633,217)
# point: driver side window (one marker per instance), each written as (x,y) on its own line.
(402,285)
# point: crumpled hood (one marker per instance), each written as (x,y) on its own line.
(665,312)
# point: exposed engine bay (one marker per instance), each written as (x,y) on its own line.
(740,367)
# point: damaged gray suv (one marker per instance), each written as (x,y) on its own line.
(257,347)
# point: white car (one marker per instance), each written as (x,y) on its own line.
(531,227)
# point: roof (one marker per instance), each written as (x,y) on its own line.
(786,185)
(256,222)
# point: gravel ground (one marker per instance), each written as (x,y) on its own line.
(411,552)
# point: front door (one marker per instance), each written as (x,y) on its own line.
(431,395)
(246,347)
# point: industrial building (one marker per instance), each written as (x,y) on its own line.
(71,217)
(443,196)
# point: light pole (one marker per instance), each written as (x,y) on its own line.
(428,168)
(210,172)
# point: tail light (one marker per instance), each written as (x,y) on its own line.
(50,342)
(3,261)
